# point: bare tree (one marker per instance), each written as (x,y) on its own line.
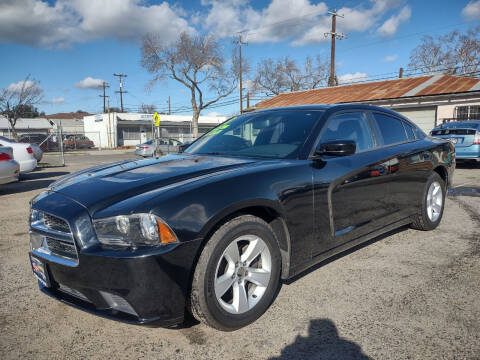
(453,53)
(148,109)
(284,75)
(15,98)
(194,61)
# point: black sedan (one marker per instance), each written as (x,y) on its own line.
(255,201)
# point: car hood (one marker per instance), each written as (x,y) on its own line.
(101,186)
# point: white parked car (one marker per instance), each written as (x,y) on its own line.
(9,168)
(22,153)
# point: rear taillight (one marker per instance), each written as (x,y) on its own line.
(5,157)
(476,140)
(144,147)
(29,150)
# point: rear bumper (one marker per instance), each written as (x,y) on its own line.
(137,289)
(27,166)
(468,152)
(141,152)
(9,171)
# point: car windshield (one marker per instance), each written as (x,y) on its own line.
(268,134)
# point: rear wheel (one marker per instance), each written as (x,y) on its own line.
(431,210)
(237,274)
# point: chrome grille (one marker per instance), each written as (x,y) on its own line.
(62,248)
(52,239)
(55,223)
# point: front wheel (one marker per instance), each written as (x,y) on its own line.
(237,274)
(430,211)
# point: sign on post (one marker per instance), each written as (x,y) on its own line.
(156,119)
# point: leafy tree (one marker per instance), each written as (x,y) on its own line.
(453,53)
(194,61)
(18,100)
(284,75)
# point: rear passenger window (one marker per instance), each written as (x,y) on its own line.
(391,129)
(349,126)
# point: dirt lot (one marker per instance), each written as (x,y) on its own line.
(409,295)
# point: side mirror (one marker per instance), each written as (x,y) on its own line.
(337,148)
(182,147)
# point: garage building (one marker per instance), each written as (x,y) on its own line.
(426,100)
(129,129)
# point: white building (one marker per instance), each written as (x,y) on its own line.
(128,129)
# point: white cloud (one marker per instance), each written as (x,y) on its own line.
(17,87)
(351,78)
(89,83)
(58,100)
(300,21)
(390,26)
(472,10)
(390,58)
(35,22)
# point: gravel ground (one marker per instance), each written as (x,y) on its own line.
(408,295)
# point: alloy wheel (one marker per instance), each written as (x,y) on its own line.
(434,201)
(243,274)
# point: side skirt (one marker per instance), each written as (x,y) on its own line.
(337,250)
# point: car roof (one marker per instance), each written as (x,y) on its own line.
(334,107)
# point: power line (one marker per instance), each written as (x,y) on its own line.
(104,85)
(332,80)
(121,91)
(240,42)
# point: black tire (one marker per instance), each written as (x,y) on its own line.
(204,305)
(421,220)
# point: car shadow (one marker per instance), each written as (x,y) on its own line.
(345,253)
(467,164)
(31,181)
(322,342)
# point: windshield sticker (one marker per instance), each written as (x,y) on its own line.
(219,129)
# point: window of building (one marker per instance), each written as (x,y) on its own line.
(469,112)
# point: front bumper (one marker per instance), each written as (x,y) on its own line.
(137,286)
(133,288)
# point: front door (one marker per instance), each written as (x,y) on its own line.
(351,193)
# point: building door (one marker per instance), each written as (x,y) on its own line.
(423,117)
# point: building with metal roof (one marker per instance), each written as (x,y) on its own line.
(426,100)
(26,126)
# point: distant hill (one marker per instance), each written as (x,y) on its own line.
(70,115)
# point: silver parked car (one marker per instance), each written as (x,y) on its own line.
(165,146)
(9,168)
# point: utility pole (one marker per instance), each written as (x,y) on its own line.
(400,73)
(332,80)
(121,91)
(240,42)
(169,112)
(105,85)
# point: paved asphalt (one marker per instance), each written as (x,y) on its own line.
(408,295)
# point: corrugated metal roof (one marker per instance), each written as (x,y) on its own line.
(35,123)
(378,90)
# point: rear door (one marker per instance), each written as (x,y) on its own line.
(351,193)
(410,161)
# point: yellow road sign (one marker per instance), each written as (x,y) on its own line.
(156,119)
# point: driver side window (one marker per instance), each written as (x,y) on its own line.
(349,126)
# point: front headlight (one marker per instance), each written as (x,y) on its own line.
(133,231)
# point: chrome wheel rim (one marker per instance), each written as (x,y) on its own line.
(434,201)
(243,274)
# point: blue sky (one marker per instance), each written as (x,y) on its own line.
(63,42)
